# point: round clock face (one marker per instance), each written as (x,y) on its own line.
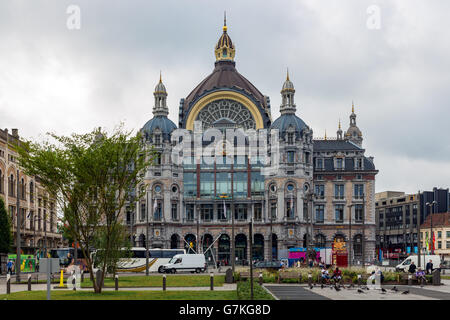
(226,113)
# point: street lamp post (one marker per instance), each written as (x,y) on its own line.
(18,240)
(350,234)
(363,230)
(431,205)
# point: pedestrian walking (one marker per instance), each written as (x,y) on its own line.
(412,268)
(429,267)
(9,267)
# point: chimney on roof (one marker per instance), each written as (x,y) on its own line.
(15,133)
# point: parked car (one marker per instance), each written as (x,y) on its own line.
(268,265)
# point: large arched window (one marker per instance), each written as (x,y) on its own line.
(22,189)
(31,191)
(11,185)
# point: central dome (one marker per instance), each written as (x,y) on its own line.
(225,75)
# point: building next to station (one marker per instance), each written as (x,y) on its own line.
(435,235)
(400,216)
(38,214)
(327,179)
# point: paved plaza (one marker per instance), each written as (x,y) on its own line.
(303,292)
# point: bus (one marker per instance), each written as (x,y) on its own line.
(65,260)
(135,262)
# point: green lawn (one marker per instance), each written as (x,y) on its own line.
(156,281)
(445,277)
(123,295)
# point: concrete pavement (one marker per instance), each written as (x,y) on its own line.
(303,292)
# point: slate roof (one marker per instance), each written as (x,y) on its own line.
(224,75)
(335,145)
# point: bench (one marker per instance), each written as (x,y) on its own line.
(289,275)
(405,277)
(246,275)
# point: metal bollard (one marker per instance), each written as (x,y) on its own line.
(74,282)
(82,276)
(409,280)
(116,280)
(359,280)
(29,282)
(8,283)
(309,279)
(164,282)
(260,279)
(212,281)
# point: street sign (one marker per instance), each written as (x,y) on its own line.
(48,263)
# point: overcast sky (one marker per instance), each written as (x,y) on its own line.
(61,80)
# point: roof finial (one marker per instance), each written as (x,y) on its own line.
(339,123)
(224,21)
(353,107)
(287,74)
(160,77)
(325,134)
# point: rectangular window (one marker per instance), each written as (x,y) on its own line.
(240,212)
(448,245)
(189,212)
(223,212)
(190,184)
(206,212)
(319,164)
(339,213)
(290,156)
(290,209)
(439,234)
(273,210)
(207,184)
(339,191)
(307,158)
(258,212)
(358,191)
(157,214)
(339,163)
(448,234)
(142,211)
(439,245)
(174,211)
(320,191)
(359,212)
(240,184)
(320,214)
(290,138)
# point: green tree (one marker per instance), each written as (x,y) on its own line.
(92,177)
(5,229)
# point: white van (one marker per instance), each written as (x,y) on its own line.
(186,262)
(424,259)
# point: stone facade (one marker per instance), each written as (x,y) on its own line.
(37,207)
(314,178)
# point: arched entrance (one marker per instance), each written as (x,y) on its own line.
(274,247)
(174,241)
(258,247)
(224,250)
(207,240)
(241,248)
(190,245)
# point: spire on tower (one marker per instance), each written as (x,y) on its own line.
(287,74)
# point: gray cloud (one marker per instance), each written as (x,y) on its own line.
(54,79)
